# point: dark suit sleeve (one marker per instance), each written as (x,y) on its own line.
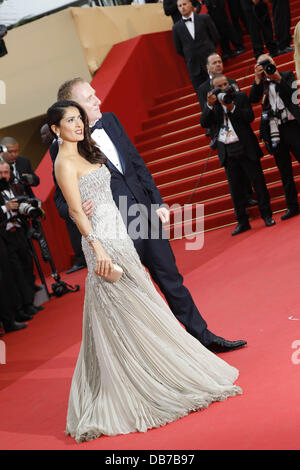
(202,94)
(143,174)
(177,40)
(208,117)
(256,92)
(26,168)
(284,87)
(211,29)
(243,110)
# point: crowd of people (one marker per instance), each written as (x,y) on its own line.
(196,36)
(17,280)
(227,112)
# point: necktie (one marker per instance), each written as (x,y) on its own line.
(97,125)
(188,19)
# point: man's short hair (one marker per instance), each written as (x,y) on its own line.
(3,162)
(8,141)
(210,55)
(65,90)
(216,76)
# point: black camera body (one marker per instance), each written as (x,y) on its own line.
(268,67)
(30,207)
(227,95)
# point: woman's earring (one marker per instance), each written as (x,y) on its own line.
(59,139)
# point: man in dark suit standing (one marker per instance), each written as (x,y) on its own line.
(133,190)
(238,149)
(217,10)
(260,26)
(195,37)
(282,24)
(280,124)
(21,171)
(214,66)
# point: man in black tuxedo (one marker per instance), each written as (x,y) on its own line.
(260,26)
(22,173)
(170,9)
(195,37)
(214,66)
(132,185)
(217,10)
(277,89)
(238,149)
(282,24)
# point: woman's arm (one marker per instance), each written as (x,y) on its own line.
(66,177)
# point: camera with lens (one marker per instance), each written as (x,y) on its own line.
(27,179)
(268,67)
(227,96)
(30,207)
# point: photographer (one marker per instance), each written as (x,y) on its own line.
(230,114)
(280,123)
(15,237)
(22,174)
(214,65)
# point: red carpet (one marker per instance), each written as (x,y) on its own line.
(246,287)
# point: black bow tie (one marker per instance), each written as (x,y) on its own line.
(97,125)
(188,19)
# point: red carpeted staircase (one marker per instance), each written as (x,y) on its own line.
(177,152)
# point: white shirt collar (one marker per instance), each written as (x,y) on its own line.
(191,16)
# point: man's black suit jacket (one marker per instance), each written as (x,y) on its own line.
(241,119)
(136,183)
(195,51)
(285,90)
(23,166)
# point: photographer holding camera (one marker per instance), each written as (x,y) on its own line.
(14,236)
(22,174)
(280,123)
(230,114)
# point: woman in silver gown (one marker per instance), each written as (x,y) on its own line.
(137,368)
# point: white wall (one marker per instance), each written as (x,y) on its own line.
(12,11)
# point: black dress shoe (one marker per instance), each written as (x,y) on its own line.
(39,307)
(290,213)
(286,50)
(269,221)
(76,267)
(15,326)
(251,203)
(30,310)
(275,53)
(219,344)
(239,51)
(21,317)
(240,228)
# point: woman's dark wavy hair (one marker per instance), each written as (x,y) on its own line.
(87,147)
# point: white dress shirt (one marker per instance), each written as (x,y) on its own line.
(107,147)
(190,25)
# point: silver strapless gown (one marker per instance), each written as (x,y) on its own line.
(137,368)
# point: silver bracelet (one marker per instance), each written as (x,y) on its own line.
(91,237)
